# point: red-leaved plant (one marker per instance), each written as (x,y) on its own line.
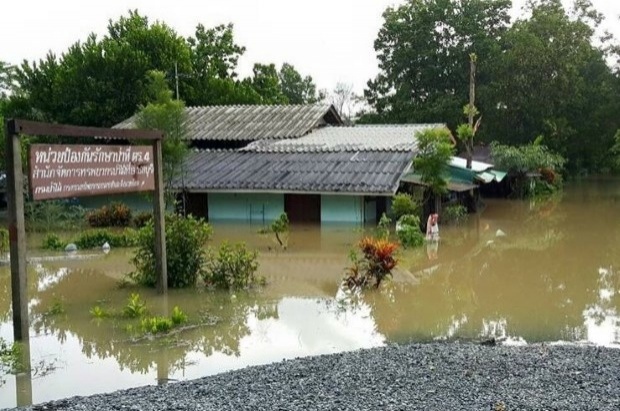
(376,263)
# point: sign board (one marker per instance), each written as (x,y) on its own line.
(64,171)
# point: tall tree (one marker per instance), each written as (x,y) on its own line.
(102,82)
(266,83)
(168,115)
(423,50)
(343,98)
(297,89)
(552,81)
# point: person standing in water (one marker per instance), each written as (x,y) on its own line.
(432,228)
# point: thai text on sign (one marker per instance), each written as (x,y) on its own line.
(62,171)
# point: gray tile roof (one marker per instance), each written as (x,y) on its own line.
(253,122)
(392,137)
(343,172)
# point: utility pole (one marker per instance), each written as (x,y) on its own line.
(470,113)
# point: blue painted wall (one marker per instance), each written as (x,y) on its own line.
(342,209)
(254,208)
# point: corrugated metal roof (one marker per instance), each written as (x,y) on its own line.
(392,137)
(361,172)
(253,122)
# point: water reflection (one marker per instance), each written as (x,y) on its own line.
(524,271)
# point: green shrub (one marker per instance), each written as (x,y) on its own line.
(178,317)
(96,238)
(408,232)
(186,238)
(279,228)
(98,312)
(10,355)
(113,215)
(53,215)
(456,214)
(53,242)
(142,219)
(383,227)
(155,325)
(233,267)
(404,204)
(135,307)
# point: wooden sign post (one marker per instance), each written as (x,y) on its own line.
(64,171)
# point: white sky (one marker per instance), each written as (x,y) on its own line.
(331,40)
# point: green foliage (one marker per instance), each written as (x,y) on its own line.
(186,238)
(178,317)
(56,308)
(53,215)
(408,232)
(135,307)
(434,152)
(615,152)
(98,312)
(156,325)
(113,215)
(266,83)
(403,204)
(96,238)
(383,227)
(233,267)
(297,89)
(10,357)
(530,157)
(168,115)
(424,50)
(53,242)
(374,265)
(455,213)
(142,218)
(280,228)
(4,240)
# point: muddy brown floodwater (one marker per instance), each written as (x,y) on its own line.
(525,271)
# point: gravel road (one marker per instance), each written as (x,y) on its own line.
(436,376)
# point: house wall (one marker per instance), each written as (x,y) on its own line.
(342,209)
(251,208)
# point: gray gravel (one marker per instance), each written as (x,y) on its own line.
(435,376)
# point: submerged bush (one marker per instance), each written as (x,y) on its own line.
(96,238)
(408,231)
(155,325)
(404,204)
(186,238)
(279,227)
(113,215)
(53,242)
(4,240)
(53,215)
(383,227)
(135,307)
(142,219)
(233,267)
(375,264)
(178,317)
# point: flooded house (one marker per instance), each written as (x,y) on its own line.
(252,163)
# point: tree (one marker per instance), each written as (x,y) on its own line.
(168,115)
(552,81)
(297,89)
(7,74)
(423,50)
(435,149)
(343,99)
(102,82)
(266,84)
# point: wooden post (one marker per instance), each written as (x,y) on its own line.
(23,379)
(158,219)
(17,232)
